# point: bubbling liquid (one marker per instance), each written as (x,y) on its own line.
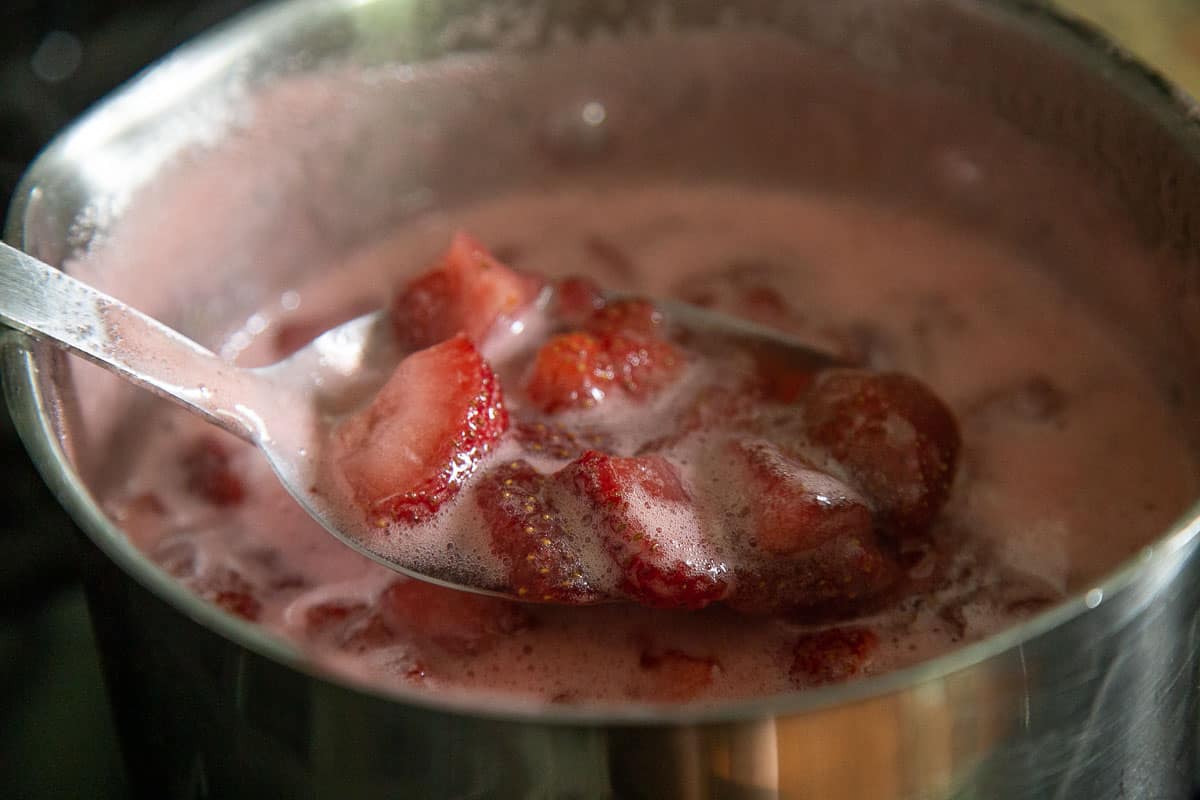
(1046,398)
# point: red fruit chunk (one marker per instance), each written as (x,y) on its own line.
(897,440)
(832,655)
(632,317)
(571,370)
(460,623)
(228,589)
(238,603)
(408,453)
(794,507)
(469,291)
(545,439)
(843,577)
(322,616)
(209,473)
(657,569)
(578,370)
(674,676)
(576,299)
(527,533)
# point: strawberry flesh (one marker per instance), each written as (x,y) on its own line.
(832,655)
(652,572)
(896,439)
(794,507)
(460,623)
(209,473)
(580,369)
(527,534)
(469,291)
(409,452)
(672,676)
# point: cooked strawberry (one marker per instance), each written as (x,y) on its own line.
(469,291)
(635,317)
(642,365)
(673,676)
(571,370)
(408,453)
(832,655)
(635,499)
(227,588)
(576,299)
(461,623)
(527,533)
(320,617)
(898,441)
(840,578)
(556,441)
(209,473)
(368,630)
(794,507)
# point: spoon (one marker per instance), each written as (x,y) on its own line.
(283,409)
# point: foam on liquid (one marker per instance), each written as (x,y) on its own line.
(1037,510)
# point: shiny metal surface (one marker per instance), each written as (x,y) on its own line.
(1094,698)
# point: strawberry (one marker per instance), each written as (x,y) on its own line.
(580,369)
(673,676)
(657,570)
(896,439)
(209,472)
(635,317)
(832,655)
(555,441)
(576,299)
(469,291)
(461,623)
(408,453)
(794,507)
(227,588)
(571,370)
(841,577)
(527,533)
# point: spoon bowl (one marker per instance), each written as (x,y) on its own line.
(287,409)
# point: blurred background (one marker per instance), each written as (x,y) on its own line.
(57,57)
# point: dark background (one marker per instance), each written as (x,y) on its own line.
(57,57)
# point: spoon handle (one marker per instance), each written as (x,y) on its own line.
(45,302)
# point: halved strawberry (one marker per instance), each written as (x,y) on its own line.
(642,365)
(527,533)
(794,507)
(461,623)
(840,578)
(832,655)
(469,291)
(556,441)
(408,453)
(898,441)
(629,317)
(580,369)
(673,676)
(209,472)
(648,526)
(571,370)
(576,299)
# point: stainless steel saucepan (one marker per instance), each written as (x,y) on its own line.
(274,147)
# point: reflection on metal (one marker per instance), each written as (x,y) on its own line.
(1090,699)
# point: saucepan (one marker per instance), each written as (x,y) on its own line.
(300,132)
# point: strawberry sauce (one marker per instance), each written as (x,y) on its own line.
(765,526)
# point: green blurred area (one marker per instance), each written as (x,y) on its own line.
(1163,33)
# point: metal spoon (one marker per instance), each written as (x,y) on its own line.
(283,409)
